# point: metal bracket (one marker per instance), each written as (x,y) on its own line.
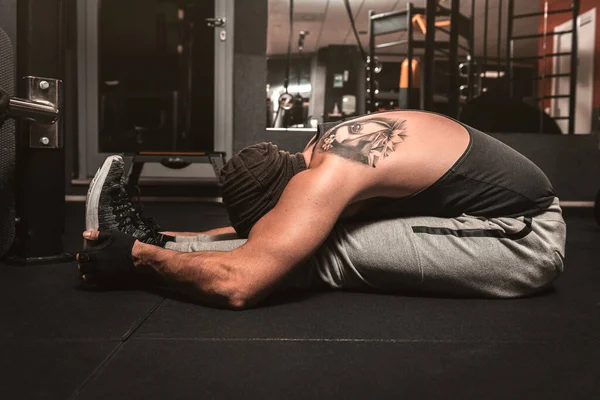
(41,107)
(217,160)
(464,90)
(216,22)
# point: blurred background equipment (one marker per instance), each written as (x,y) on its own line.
(457,51)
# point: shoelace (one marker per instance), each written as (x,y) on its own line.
(124,209)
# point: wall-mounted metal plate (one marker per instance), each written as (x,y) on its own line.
(44,132)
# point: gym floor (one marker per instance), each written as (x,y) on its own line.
(60,342)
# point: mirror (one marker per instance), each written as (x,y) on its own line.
(331,77)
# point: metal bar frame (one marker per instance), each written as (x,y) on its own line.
(391,44)
(90,157)
(542,81)
(409,104)
(31,110)
(485,43)
(470,83)
(428,64)
(539,35)
(510,48)
(541,14)
(540,57)
(371,65)
(40,197)
(454,95)
(499,41)
(574,59)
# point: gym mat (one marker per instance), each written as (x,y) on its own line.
(372,316)
(47,369)
(47,302)
(56,339)
(189,369)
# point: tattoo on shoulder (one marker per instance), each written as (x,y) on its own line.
(366,140)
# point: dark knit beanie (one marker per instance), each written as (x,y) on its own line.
(253,180)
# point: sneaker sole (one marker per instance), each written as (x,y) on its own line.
(93,195)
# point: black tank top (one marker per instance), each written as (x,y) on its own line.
(489,180)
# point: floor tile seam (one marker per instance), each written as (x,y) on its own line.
(61,340)
(99,368)
(351,340)
(138,324)
(124,339)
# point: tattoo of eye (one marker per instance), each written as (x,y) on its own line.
(368,141)
(356,128)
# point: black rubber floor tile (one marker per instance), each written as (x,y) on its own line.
(372,316)
(158,369)
(46,302)
(47,370)
(583,232)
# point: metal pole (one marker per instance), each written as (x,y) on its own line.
(371,65)
(509,48)
(428,67)
(40,172)
(471,54)
(574,55)
(454,92)
(409,104)
(543,76)
(32,111)
(499,64)
(485,43)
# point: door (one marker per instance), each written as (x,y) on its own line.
(155,75)
(585,73)
(35,31)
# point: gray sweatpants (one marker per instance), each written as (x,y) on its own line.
(464,256)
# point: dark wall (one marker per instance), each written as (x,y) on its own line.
(571,162)
(249,72)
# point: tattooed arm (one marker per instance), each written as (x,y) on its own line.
(285,237)
(307,211)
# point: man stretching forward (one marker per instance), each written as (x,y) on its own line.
(401,201)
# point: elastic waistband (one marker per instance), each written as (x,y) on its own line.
(553,212)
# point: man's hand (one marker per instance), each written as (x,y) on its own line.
(108,259)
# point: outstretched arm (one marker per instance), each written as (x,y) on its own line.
(305,214)
(226,233)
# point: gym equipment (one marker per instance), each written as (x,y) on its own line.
(286,100)
(409,96)
(173,160)
(7,146)
(597,208)
(156,87)
(39,157)
(494,112)
(572,74)
(41,109)
(405,22)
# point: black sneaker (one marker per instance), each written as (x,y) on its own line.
(108,206)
